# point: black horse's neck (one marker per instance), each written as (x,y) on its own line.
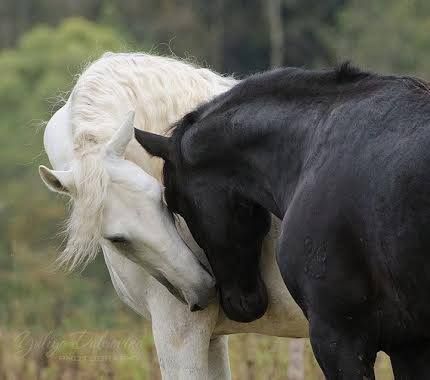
(260,131)
(271,168)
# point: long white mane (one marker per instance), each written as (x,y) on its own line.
(161,90)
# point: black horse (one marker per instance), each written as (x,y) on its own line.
(343,157)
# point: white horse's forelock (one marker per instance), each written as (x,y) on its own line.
(160,90)
(83,228)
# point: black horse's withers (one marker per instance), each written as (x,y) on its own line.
(342,157)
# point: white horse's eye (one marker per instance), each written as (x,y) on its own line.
(117,239)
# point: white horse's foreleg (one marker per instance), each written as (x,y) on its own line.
(219,363)
(181,355)
(182,340)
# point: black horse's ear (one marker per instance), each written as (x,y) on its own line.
(154,144)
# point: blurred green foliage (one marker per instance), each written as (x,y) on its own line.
(37,72)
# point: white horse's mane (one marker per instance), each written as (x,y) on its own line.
(160,90)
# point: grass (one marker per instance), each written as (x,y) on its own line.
(130,355)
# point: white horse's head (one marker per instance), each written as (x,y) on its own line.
(127,214)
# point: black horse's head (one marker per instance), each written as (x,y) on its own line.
(229,227)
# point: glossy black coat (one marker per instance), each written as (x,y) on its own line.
(343,157)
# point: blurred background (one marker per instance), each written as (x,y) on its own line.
(43,45)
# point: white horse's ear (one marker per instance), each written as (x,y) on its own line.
(57,180)
(119,141)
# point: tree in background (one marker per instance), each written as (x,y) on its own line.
(226,35)
(18,16)
(384,35)
(274,19)
(42,66)
(233,36)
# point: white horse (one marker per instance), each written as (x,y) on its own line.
(117,205)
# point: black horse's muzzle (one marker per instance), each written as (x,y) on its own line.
(244,306)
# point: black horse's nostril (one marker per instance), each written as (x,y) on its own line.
(195,307)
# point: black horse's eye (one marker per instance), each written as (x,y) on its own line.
(244,209)
(117,239)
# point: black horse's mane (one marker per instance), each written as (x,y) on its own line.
(346,72)
(300,81)
(291,78)
(292,81)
